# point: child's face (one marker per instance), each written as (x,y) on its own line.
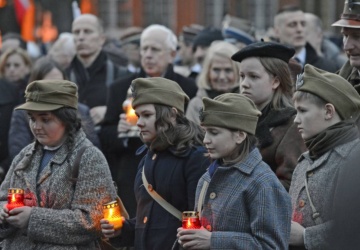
(222,143)
(146,122)
(310,118)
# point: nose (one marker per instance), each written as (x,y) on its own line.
(222,75)
(296,119)
(348,43)
(140,122)
(36,125)
(244,84)
(206,139)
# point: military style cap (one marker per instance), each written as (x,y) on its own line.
(48,95)
(265,49)
(158,90)
(350,18)
(231,111)
(238,29)
(332,88)
(206,36)
(131,35)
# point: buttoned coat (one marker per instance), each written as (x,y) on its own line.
(245,206)
(175,179)
(65,214)
(322,177)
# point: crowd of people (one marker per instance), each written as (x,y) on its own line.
(259,137)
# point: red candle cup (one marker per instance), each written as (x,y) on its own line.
(15,198)
(190,220)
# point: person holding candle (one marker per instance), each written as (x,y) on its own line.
(172,166)
(242,204)
(65,179)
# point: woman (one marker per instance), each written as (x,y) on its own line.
(15,66)
(20,134)
(265,78)
(326,106)
(219,75)
(172,166)
(242,204)
(62,209)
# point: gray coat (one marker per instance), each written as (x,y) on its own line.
(322,176)
(65,215)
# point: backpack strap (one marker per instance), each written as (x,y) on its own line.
(76,164)
(160,200)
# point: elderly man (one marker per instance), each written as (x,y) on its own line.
(350,28)
(289,28)
(91,70)
(157,49)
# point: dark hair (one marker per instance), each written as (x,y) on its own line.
(183,134)
(243,150)
(42,67)
(71,120)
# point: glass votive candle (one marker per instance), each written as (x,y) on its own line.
(131,117)
(112,213)
(190,220)
(15,198)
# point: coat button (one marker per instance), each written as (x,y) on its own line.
(212,195)
(42,204)
(310,174)
(208,227)
(154,157)
(150,187)
(301,203)
(145,219)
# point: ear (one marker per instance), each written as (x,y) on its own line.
(172,55)
(239,136)
(173,115)
(330,111)
(275,83)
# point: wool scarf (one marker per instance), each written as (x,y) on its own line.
(335,135)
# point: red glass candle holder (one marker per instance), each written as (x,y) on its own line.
(190,220)
(112,213)
(15,198)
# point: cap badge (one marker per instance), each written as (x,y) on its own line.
(201,115)
(299,81)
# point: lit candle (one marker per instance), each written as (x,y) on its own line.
(15,198)
(190,220)
(130,112)
(112,213)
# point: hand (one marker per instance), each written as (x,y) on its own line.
(123,126)
(296,234)
(194,238)
(19,217)
(97,114)
(4,214)
(108,230)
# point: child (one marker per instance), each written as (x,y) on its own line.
(174,162)
(326,105)
(244,205)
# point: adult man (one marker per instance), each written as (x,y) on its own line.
(289,28)
(90,69)
(323,46)
(350,28)
(157,49)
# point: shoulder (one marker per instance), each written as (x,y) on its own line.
(123,82)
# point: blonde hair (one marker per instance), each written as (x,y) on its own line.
(217,48)
(13,51)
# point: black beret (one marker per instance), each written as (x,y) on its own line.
(265,49)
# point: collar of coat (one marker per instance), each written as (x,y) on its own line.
(342,151)
(171,149)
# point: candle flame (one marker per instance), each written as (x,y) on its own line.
(188,223)
(13,198)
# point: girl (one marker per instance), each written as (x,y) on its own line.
(173,164)
(242,204)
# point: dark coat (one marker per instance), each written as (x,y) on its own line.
(280,143)
(91,81)
(120,153)
(8,100)
(20,134)
(319,62)
(175,179)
